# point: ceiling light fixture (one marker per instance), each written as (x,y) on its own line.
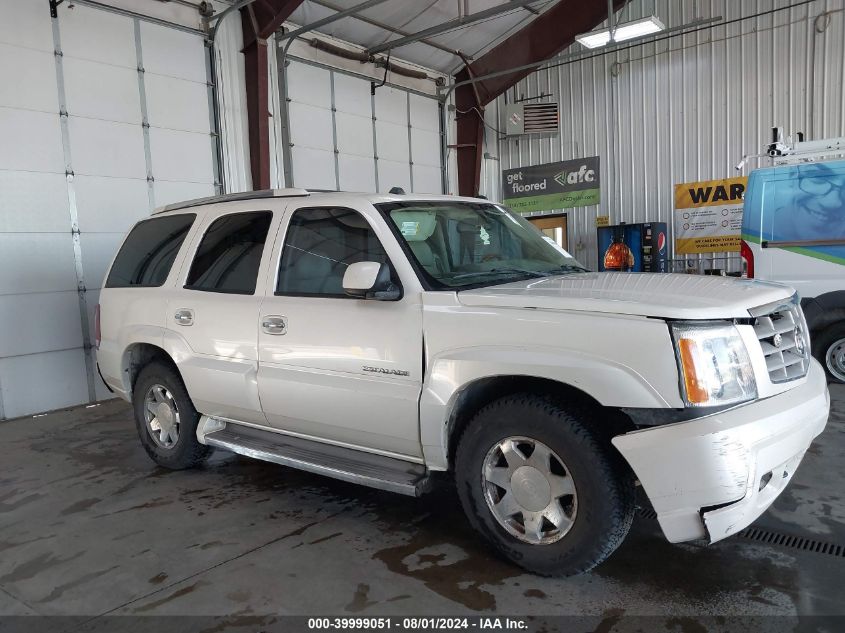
(622,32)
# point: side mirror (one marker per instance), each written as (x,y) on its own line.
(370,280)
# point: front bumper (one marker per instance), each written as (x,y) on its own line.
(738,460)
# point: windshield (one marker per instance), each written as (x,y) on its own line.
(468,244)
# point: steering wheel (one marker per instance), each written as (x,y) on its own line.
(492,257)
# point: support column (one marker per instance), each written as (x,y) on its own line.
(469,147)
(257,95)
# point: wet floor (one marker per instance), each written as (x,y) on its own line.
(89,526)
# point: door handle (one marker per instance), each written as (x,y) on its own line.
(276,325)
(184,316)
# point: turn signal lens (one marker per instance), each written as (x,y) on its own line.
(696,393)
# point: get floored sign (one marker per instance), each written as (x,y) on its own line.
(571,183)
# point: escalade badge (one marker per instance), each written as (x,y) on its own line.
(777,340)
(382,370)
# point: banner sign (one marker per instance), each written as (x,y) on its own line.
(571,183)
(708,216)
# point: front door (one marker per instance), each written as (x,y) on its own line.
(331,367)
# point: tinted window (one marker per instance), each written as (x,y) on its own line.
(320,245)
(228,257)
(148,252)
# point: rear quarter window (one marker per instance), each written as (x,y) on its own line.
(147,254)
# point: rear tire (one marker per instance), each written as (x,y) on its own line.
(829,350)
(589,488)
(166,419)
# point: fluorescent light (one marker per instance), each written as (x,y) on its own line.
(594,39)
(624,31)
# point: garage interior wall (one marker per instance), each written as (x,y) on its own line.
(90,145)
(684,109)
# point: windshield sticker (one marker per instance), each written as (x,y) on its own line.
(557,246)
(409,229)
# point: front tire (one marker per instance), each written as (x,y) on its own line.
(542,487)
(166,419)
(829,350)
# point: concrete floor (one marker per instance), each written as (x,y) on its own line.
(89,526)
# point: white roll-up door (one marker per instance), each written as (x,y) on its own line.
(78,167)
(343,137)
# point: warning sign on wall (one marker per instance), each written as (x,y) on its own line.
(708,216)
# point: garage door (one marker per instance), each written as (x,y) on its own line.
(91,145)
(342,138)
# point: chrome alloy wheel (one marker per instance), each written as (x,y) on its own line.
(529,490)
(161,416)
(835,359)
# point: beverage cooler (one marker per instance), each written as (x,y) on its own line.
(637,248)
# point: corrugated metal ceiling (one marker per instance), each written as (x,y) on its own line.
(472,39)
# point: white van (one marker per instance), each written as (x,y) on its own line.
(793,232)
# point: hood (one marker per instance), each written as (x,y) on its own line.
(671,296)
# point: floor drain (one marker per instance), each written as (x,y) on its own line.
(792,542)
(646,513)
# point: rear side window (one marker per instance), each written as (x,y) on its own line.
(228,257)
(148,252)
(320,245)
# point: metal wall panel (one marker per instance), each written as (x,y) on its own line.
(174,53)
(682,109)
(107,148)
(30,325)
(36,262)
(21,79)
(41,382)
(30,141)
(109,205)
(32,202)
(100,36)
(180,157)
(101,91)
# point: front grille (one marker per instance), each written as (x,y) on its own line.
(782,333)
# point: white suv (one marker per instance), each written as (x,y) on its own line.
(381,339)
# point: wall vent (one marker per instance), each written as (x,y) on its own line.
(532,118)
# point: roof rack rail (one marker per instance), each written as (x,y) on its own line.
(234,197)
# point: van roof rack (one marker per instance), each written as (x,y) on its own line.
(234,197)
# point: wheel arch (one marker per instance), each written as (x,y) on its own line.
(137,356)
(475,395)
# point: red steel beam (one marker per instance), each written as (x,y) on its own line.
(269,16)
(542,38)
(259,21)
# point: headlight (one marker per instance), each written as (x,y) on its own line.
(714,364)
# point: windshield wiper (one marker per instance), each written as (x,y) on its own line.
(502,271)
(567,268)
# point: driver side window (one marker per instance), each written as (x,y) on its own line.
(319,246)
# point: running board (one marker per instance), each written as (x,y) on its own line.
(346,464)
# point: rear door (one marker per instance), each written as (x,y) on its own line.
(335,368)
(213,313)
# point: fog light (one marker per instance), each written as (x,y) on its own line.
(764,480)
